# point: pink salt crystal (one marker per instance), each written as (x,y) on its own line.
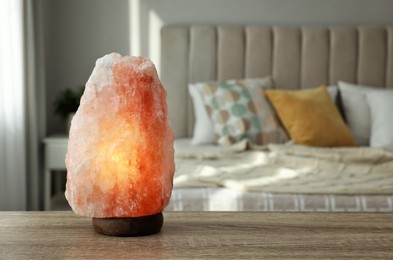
(120,160)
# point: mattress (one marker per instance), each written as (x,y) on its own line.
(210,198)
(225,199)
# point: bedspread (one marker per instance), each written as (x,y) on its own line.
(287,169)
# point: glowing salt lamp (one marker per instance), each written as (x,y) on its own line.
(120,161)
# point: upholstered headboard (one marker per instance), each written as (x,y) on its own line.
(296,57)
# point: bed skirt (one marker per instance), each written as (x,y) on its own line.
(224,199)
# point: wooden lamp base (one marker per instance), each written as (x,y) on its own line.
(129,227)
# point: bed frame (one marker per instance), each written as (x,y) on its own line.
(296,57)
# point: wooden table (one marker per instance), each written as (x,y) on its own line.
(202,235)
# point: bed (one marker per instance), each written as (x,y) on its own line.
(275,177)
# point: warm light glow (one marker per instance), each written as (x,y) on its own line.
(121,166)
(120,151)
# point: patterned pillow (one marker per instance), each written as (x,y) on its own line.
(239,110)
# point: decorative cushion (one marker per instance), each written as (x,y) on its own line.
(239,110)
(203,126)
(381,107)
(356,110)
(311,117)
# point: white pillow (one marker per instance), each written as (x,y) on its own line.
(381,106)
(203,127)
(333,91)
(356,110)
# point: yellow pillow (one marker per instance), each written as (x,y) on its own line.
(310,117)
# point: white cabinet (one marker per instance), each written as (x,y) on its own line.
(55,151)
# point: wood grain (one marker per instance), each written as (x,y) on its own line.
(202,235)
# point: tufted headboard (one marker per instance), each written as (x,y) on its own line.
(296,57)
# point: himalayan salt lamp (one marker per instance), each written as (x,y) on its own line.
(120,157)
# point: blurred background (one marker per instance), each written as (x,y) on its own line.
(48,46)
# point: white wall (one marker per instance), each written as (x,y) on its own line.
(76,34)
(154,13)
(294,12)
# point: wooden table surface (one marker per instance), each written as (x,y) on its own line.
(202,235)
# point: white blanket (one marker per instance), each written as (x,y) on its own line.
(286,169)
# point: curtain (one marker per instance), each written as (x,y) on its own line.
(19,145)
